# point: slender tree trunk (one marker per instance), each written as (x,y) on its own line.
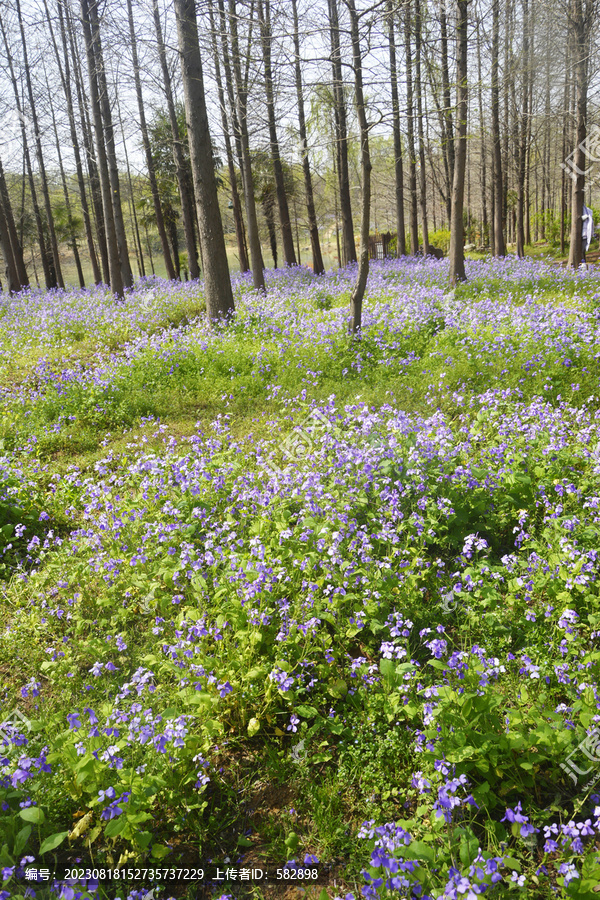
(348,242)
(39,153)
(187,206)
(264,17)
(499,245)
(88,144)
(418,91)
(15,244)
(66,197)
(457,251)
(158,213)
(412,180)
(318,265)
(484,211)
(217,282)
(365,165)
(398,167)
(580,24)
(65,77)
(522,137)
(109,142)
(258,277)
(10,265)
(46,256)
(114,260)
(235,197)
(448,120)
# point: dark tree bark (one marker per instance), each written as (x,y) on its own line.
(523,132)
(498,187)
(114,260)
(418,91)
(10,265)
(318,265)
(88,144)
(448,119)
(46,255)
(187,206)
(158,213)
(348,242)
(16,248)
(365,165)
(582,14)
(109,142)
(457,250)
(235,197)
(412,179)
(484,209)
(258,277)
(39,154)
(264,17)
(398,167)
(65,77)
(217,282)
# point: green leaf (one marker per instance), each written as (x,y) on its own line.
(309,712)
(33,814)
(253,727)
(52,842)
(21,839)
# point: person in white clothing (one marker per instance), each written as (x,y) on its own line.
(588,230)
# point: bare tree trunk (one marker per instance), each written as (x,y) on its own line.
(264,17)
(16,248)
(499,245)
(46,256)
(114,261)
(39,154)
(109,142)
(580,20)
(457,250)
(258,277)
(522,141)
(131,200)
(10,265)
(67,199)
(448,121)
(187,211)
(418,91)
(563,185)
(365,161)
(398,167)
(412,181)
(65,77)
(318,265)
(235,197)
(348,242)
(158,213)
(217,282)
(484,212)
(88,144)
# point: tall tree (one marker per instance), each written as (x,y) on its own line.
(235,196)
(419,93)
(457,250)
(412,159)
(158,213)
(348,242)
(241,105)
(39,152)
(114,259)
(498,187)
(582,15)
(523,127)
(398,167)
(264,17)
(318,265)
(185,189)
(365,165)
(217,282)
(16,248)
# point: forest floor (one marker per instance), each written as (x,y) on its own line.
(285,615)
